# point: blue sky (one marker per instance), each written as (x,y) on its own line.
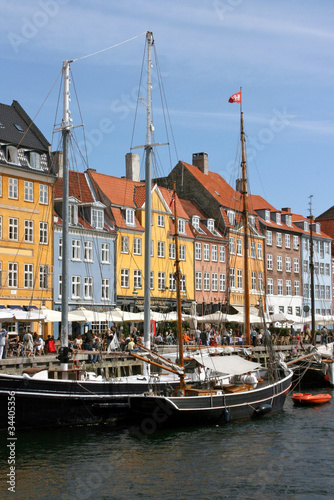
(281,53)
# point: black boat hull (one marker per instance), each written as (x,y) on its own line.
(151,412)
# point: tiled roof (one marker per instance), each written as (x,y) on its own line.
(167,194)
(78,187)
(259,203)
(31,137)
(192,210)
(120,191)
(120,221)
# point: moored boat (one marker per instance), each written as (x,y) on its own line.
(306,399)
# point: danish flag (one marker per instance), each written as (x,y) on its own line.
(235,97)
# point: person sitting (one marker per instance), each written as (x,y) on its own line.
(78,342)
(158,339)
(15,346)
(131,345)
(186,338)
(39,345)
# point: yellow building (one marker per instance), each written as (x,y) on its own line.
(26,218)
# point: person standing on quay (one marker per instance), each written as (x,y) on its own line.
(3,338)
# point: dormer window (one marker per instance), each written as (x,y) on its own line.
(12,154)
(267,215)
(181,226)
(231,217)
(211,225)
(278,218)
(195,221)
(73,214)
(251,220)
(130,217)
(97,218)
(35,160)
(288,220)
(317,228)
(306,225)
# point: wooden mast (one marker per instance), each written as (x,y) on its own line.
(245,221)
(178,292)
(311,219)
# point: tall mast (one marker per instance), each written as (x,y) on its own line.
(245,221)
(311,219)
(178,292)
(148,204)
(65,128)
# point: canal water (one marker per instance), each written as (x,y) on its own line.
(288,455)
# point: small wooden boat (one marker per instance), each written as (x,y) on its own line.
(310,399)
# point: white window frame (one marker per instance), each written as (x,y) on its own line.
(136,246)
(13,228)
(105,253)
(13,188)
(76,250)
(29,231)
(28,275)
(43,233)
(43,194)
(29,191)
(105,289)
(125,278)
(198,250)
(124,244)
(88,287)
(88,251)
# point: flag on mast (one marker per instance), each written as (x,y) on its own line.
(235,97)
(172,201)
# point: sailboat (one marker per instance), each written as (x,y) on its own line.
(69,396)
(259,391)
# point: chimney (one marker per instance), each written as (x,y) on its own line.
(201,161)
(132,166)
(57,163)
(238,185)
(287,209)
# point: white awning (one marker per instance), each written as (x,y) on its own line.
(234,365)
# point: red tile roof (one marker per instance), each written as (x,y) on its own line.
(120,191)
(78,187)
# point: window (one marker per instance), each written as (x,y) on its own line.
(60,252)
(288,264)
(239,247)
(198,281)
(43,233)
(28,191)
(124,278)
(316,268)
(279,263)
(222,282)
(305,266)
(124,244)
(161,220)
(288,287)
(13,228)
(88,287)
(253,250)
(270,286)
(296,265)
(322,250)
(195,221)
(260,281)
(215,282)
(43,194)
(239,278)
(279,239)
(97,218)
(267,215)
(59,286)
(322,268)
(221,253)
(105,251)
(328,292)
(73,214)
(183,283)
(251,220)
(12,274)
(161,281)
(76,250)
(181,226)
(287,241)
(278,218)
(211,225)
(296,286)
(206,282)
(269,238)
(279,287)
(172,282)
(44,277)
(295,242)
(28,275)
(1,185)
(298,311)
(231,217)
(172,251)
(137,282)
(152,280)
(322,291)
(326,243)
(306,291)
(130,217)
(232,277)
(88,251)
(214,254)
(161,249)
(152,248)
(182,251)
(198,251)
(29,231)
(13,188)
(232,246)
(35,160)
(259,251)
(269,262)
(1,227)
(316,291)
(206,251)
(253,280)
(105,289)
(137,246)
(327,269)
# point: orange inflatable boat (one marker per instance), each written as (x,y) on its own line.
(310,399)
